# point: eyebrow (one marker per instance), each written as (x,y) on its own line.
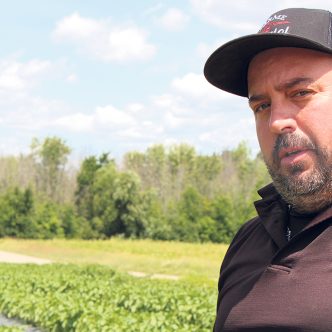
(255,98)
(293,82)
(283,86)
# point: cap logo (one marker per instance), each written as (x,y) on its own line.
(273,24)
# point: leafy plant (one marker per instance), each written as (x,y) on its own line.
(95,298)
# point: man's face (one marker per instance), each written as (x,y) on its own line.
(290,93)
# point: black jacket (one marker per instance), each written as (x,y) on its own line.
(269,284)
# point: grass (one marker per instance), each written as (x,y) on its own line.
(197,262)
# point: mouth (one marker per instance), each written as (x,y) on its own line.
(291,152)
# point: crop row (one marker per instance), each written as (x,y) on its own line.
(96,298)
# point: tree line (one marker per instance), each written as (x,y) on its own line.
(164,193)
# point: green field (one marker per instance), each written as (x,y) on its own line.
(187,260)
(96,298)
(91,292)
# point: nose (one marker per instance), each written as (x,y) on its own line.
(282,118)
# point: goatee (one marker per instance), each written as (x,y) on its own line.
(307,192)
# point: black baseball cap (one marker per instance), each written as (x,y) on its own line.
(227,67)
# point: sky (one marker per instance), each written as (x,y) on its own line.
(119,76)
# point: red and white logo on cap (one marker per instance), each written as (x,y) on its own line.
(274,23)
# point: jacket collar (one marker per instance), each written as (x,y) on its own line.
(319,218)
(274,213)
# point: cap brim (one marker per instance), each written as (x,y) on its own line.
(227,67)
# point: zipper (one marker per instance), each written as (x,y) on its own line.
(288,234)
(288,230)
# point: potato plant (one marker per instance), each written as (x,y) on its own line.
(96,298)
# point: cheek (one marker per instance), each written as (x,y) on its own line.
(321,134)
(316,122)
(265,140)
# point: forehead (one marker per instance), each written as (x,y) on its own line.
(280,64)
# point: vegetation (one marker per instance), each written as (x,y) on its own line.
(145,208)
(94,298)
(194,261)
(162,194)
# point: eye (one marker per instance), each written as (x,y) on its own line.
(261,107)
(301,93)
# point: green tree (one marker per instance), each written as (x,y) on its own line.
(51,156)
(184,215)
(207,229)
(223,211)
(206,174)
(48,221)
(192,204)
(117,202)
(84,195)
(16,208)
(153,217)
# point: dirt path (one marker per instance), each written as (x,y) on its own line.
(11,323)
(153,276)
(10,257)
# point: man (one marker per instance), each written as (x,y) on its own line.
(277,273)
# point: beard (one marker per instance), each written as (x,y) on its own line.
(309,192)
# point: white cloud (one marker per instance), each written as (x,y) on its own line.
(133,133)
(173,121)
(153,9)
(170,117)
(171,102)
(203,116)
(204,50)
(174,19)
(16,75)
(323,4)
(75,122)
(103,40)
(75,28)
(230,133)
(244,17)
(183,113)
(126,43)
(189,109)
(144,131)
(109,116)
(196,86)
(102,118)
(121,126)
(20,107)
(238,15)
(172,141)
(30,113)
(164,101)
(72,78)
(135,108)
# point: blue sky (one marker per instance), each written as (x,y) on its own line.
(117,76)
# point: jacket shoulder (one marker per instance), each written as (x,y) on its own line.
(253,225)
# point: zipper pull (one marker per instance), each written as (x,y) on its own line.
(288,234)
(288,230)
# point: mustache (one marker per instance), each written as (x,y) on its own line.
(291,141)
